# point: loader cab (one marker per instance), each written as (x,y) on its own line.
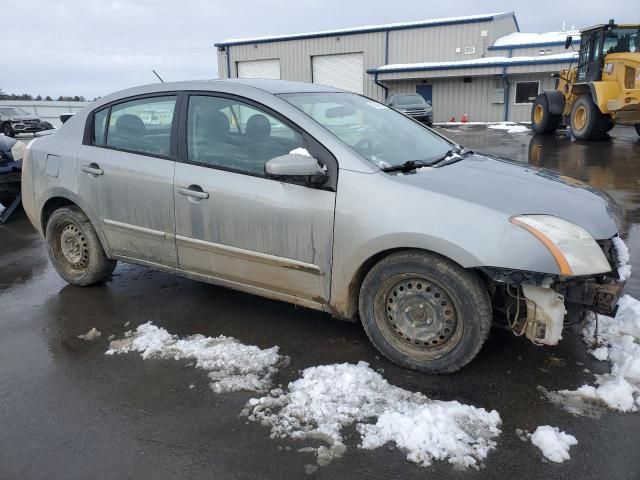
(601,40)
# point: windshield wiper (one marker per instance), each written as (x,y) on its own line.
(407,166)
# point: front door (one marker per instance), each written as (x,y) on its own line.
(236,225)
(126,176)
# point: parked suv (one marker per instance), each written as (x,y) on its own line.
(328,200)
(14,120)
(413,105)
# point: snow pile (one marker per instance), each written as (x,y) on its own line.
(553,443)
(521,38)
(232,366)
(620,344)
(90,335)
(509,127)
(624,268)
(330,397)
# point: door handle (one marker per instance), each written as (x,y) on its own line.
(193,191)
(92,169)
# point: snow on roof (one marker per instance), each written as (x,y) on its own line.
(477,62)
(369,28)
(519,39)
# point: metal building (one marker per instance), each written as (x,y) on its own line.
(45,109)
(480,65)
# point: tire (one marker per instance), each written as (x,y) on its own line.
(8,131)
(638,128)
(587,123)
(424,312)
(75,249)
(543,121)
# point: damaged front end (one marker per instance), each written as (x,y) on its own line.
(539,305)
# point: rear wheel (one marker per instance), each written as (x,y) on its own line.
(543,121)
(75,249)
(424,312)
(587,123)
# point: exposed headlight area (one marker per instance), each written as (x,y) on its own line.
(574,250)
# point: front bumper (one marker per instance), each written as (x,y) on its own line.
(20,127)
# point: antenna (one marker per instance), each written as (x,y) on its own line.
(159,77)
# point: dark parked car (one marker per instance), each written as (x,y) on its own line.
(11,153)
(14,120)
(413,105)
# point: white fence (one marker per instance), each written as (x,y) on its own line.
(46,110)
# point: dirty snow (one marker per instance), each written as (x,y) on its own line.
(90,335)
(509,127)
(624,268)
(2,207)
(619,339)
(553,443)
(231,365)
(330,397)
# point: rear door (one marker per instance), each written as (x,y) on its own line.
(125,173)
(236,225)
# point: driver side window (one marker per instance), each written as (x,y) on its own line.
(233,135)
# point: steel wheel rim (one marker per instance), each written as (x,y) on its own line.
(580,117)
(72,248)
(418,316)
(538,113)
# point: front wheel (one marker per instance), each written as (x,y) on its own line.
(424,312)
(8,131)
(543,121)
(75,249)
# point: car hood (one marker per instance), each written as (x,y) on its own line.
(23,117)
(515,188)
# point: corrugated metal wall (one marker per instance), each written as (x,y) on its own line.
(437,44)
(522,113)
(452,98)
(45,110)
(295,56)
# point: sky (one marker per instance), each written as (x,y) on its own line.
(92,48)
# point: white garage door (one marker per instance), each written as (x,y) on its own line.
(344,71)
(259,69)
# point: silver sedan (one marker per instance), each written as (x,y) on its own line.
(328,200)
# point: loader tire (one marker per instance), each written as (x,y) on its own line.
(587,123)
(543,121)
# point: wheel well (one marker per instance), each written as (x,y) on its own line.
(51,206)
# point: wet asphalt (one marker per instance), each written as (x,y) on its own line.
(67,411)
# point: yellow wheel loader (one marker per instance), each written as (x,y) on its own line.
(602,90)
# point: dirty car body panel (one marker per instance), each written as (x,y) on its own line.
(304,243)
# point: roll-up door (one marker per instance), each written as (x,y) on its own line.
(344,71)
(259,69)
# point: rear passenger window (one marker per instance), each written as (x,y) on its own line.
(142,126)
(99,124)
(230,134)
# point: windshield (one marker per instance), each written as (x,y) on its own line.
(407,99)
(621,40)
(12,111)
(378,133)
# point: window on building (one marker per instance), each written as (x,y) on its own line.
(233,135)
(526,92)
(142,126)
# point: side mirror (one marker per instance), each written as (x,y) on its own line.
(567,42)
(65,116)
(296,167)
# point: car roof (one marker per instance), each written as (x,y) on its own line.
(269,86)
